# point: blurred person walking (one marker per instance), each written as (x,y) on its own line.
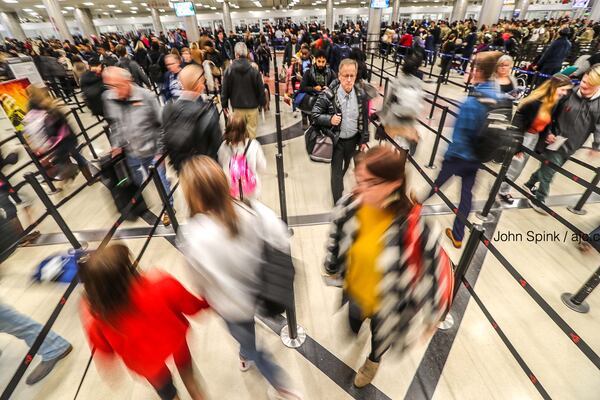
(92,87)
(533,119)
(341,111)
(136,71)
(171,88)
(223,243)
(243,87)
(377,243)
(139,317)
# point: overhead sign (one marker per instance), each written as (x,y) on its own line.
(380,3)
(184,9)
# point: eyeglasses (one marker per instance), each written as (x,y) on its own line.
(348,77)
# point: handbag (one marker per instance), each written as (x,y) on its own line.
(323,148)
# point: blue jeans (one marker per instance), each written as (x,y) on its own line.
(245,335)
(135,164)
(23,327)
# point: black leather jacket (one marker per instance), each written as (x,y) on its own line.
(327,105)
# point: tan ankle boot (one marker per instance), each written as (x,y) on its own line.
(366,373)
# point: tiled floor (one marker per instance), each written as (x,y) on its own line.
(478,364)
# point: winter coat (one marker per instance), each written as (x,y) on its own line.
(554,56)
(92,88)
(309,79)
(137,73)
(242,86)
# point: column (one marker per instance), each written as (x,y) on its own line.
(11,21)
(459,11)
(191,28)
(490,12)
(58,21)
(84,19)
(156,24)
(227,24)
(595,13)
(395,11)
(522,7)
(329,15)
(374,28)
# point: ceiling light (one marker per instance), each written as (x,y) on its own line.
(133,8)
(64,12)
(118,11)
(161,10)
(257,3)
(69,8)
(105,13)
(88,4)
(205,6)
(134,12)
(10,1)
(39,6)
(144,4)
(27,9)
(126,2)
(111,6)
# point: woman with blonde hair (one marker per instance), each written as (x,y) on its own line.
(533,118)
(223,243)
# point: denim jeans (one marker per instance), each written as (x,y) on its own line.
(23,327)
(245,335)
(517,164)
(545,174)
(136,165)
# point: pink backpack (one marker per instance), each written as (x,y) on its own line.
(242,178)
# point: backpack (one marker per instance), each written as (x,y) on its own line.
(497,133)
(344,52)
(35,131)
(214,70)
(242,178)
(155,71)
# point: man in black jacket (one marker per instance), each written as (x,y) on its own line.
(342,112)
(243,87)
(314,81)
(190,125)
(137,73)
(92,87)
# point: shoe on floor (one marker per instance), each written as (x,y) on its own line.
(166,220)
(366,373)
(245,365)
(283,394)
(456,243)
(532,189)
(506,198)
(536,207)
(45,367)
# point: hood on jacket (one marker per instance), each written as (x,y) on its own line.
(241,66)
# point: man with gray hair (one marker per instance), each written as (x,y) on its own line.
(244,88)
(134,116)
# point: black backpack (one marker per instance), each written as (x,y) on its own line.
(155,71)
(497,134)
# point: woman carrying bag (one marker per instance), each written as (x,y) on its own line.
(393,268)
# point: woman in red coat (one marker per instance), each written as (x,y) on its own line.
(140,318)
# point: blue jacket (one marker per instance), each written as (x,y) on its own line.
(469,123)
(554,56)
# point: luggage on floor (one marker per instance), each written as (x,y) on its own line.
(117,177)
(10,226)
(58,268)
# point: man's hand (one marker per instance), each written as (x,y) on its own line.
(363,147)
(551,138)
(318,88)
(519,155)
(336,120)
(116,151)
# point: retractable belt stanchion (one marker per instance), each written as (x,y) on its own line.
(435,96)
(292,335)
(508,155)
(463,265)
(38,164)
(84,133)
(578,208)
(438,137)
(577,302)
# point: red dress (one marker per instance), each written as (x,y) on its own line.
(150,329)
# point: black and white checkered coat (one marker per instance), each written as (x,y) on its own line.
(416,287)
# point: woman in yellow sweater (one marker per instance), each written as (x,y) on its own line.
(394,270)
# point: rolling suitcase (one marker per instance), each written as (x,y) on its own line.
(119,180)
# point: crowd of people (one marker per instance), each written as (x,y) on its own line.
(163,95)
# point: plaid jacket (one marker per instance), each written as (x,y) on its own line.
(416,289)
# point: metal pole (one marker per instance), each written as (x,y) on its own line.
(508,155)
(467,256)
(84,133)
(577,302)
(36,161)
(435,97)
(578,209)
(292,335)
(164,197)
(279,155)
(381,75)
(11,190)
(52,210)
(438,137)
(432,63)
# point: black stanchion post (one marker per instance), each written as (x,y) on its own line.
(164,196)
(432,64)
(385,89)
(382,67)
(470,77)
(52,210)
(435,97)
(371,69)
(11,190)
(438,137)
(578,208)
(577,302)
(508,155)
(84,133)
(279,155)
(36,162)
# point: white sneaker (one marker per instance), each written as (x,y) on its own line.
(283,394)
(537,208)
(245,365)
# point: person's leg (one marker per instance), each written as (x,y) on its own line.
(546,173)
(446,172)
(355,318)
(21,326)
(183,361)
(135,165)
(350,149)
(337,171)
(245,335)
(467,174)
(252,122)
(517,164)
(162,382)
